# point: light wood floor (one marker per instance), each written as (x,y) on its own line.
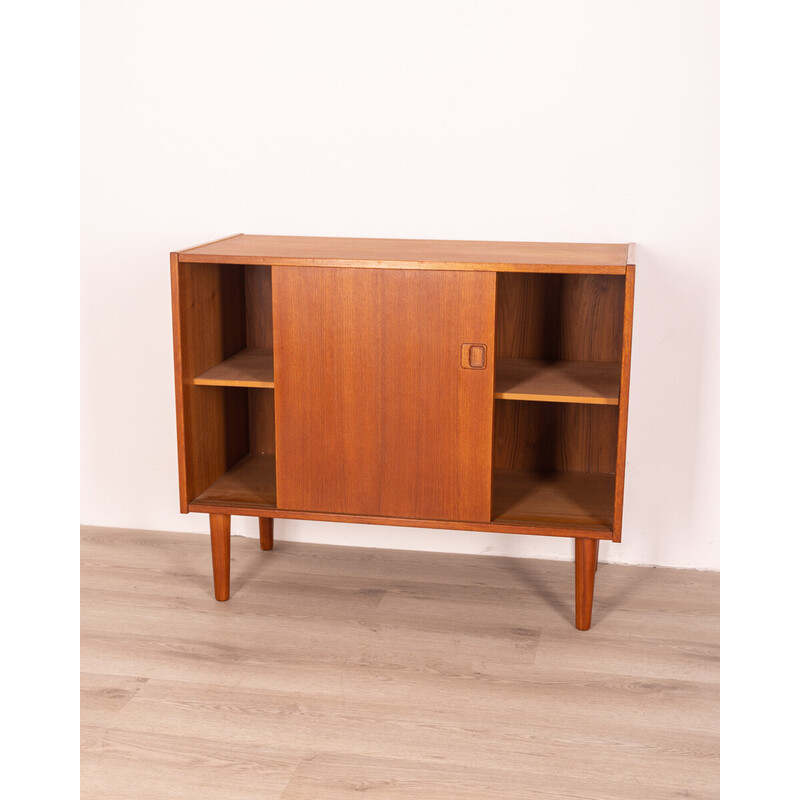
(337,672)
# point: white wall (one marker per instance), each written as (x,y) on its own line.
(582,120)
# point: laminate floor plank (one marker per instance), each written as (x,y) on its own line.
(332,777)
(540,736)
(432,605)
(400,667)
(104,696)
(292,650)
(344,672)
(135,765)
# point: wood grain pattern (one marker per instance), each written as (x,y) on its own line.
(249,482)
(251,367)
(258,306)
(574,499)
(624,394)
(560,317)
(261,408)
(413,254)
(104,696)
(340,672)
(555,437)
(374,414)
(557,381)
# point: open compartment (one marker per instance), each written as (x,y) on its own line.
(245,420)
(554,464)
(559,337)
(234,304)
(559,340)
(225,319)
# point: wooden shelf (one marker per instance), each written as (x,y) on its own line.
(557,381)
(249,482)
(571,499)
(562,499)
(252,367)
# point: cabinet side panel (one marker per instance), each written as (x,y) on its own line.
(624,391)
(180,405)
(374,412)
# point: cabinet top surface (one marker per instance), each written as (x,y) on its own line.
(438,253)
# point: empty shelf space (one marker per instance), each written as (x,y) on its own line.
(557,381)
(251,367)
(249,482)
(562,499)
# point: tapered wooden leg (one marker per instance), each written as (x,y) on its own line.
(221,554)
(585,566)
(265,531)
(596,556)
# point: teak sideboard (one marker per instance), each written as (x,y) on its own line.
(441,384)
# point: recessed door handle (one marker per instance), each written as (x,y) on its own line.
(473,356)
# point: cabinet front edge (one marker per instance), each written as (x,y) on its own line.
(603,533)
(580,269)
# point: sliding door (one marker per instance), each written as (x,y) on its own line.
(384,391)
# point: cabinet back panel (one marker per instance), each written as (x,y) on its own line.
(553,316)
(258,306)
(212,315)
(555,437)
(258,312)
(261,404)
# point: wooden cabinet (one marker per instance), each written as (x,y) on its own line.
(456,385)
